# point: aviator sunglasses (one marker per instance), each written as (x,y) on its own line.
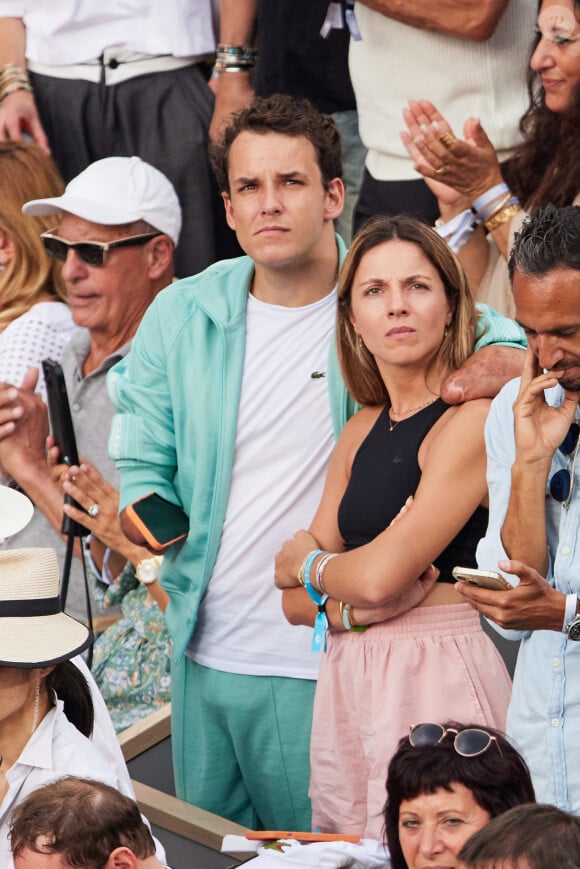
(90,252)
(469,742)
(562,482)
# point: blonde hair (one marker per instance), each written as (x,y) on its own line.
(359,369)
(26,173)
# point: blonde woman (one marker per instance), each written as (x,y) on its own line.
(35,321)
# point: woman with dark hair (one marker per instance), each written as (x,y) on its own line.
(445,782)
(46,710)
(406,319)
(474,191)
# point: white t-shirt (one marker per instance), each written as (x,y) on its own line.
(74,31)
(395,62)
(42,332)
(283,444)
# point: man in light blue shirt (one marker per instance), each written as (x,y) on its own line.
(532,438)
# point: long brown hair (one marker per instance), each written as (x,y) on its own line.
(26,173)
(359,369)
(545,168)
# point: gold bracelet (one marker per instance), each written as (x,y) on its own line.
(301,570)
(501,216)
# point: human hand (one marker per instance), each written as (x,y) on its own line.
(539,428)
(405,601)
(23,429)
(290,558)
(483,374)
(233,92)
(530,606)
(89,488)
(450,200)
(18,115)
(470,165)
(58,470)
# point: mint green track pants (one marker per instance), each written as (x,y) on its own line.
(241,745)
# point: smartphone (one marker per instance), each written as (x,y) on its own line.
(481,578)
(63,433)
(160,522)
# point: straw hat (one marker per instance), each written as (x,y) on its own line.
(34,632)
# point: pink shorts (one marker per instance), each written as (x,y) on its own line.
(430,664)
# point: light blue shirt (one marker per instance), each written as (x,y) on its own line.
(544,713)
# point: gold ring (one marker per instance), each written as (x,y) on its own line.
(447,139)
(441,170)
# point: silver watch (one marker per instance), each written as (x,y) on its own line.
(573,628)
(147,571)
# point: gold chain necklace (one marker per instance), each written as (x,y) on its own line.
(407,413)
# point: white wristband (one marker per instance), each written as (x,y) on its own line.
(570,611)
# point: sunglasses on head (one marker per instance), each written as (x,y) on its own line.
(562,482)
(90,252)
(469,742)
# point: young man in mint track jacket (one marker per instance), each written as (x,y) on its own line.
(228,405)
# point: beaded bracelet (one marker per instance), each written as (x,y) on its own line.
(234,58)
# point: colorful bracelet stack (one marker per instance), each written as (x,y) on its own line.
(234,58)
(492,208)
(321,620)
(13,78)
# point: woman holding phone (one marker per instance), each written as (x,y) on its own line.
(406,488)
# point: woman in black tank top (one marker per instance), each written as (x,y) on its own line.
(405,490)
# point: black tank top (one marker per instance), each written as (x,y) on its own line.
(384,473)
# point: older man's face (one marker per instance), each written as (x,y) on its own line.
(548,308)
(111,299)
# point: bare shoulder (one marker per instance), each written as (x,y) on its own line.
(462,426)
(470,411)
(357,428)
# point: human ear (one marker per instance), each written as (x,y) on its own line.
(230,219)
(121,858)
(160,255)
(334,199)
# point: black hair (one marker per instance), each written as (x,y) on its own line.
(549,239)
(498,778)
(289,116)
(70,686)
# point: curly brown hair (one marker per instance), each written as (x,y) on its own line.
(288,116)
(545,168)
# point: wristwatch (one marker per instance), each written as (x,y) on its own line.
(573,628)
(147,571)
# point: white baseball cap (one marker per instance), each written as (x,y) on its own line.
(117,190)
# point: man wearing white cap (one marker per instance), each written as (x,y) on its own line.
(116,226)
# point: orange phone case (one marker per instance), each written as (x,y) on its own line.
(146,531)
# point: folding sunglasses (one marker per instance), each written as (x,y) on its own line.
(469,742)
